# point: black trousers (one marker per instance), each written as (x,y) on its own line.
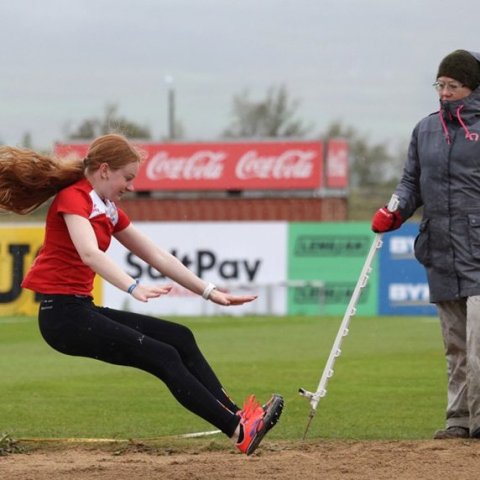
(74,325)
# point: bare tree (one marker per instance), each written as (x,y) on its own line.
(111,122)
(273,116)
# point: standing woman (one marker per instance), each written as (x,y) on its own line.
(80,223)
(442,174)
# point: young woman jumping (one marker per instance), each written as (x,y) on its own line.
(80,223)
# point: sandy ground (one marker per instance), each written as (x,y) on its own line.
(330,460)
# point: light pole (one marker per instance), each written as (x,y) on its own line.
(170,106)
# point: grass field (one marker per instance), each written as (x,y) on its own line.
(389,382)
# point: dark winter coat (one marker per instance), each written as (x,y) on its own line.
(442,174)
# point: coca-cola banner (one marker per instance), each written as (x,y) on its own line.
(225,166)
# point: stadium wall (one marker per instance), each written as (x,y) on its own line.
(301,268)
(237,209)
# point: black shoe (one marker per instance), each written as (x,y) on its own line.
(454,432)
(275,406)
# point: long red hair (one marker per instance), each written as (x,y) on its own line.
(28,179)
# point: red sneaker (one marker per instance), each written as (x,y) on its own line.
(255,422)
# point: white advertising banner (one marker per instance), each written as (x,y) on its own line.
(243,257)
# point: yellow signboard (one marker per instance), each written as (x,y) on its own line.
(19,244)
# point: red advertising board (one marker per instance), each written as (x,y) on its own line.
(336,170)
(225,166)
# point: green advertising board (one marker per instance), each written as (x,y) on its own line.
(324,264)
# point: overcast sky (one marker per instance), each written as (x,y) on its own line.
(367,63)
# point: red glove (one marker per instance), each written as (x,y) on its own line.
(386,221)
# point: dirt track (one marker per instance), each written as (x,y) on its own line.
(330,460)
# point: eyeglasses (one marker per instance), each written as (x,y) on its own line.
(451,87)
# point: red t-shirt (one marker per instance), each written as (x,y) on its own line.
(58,267)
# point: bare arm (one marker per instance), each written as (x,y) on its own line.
(85,242)
(143,247)
(163,261)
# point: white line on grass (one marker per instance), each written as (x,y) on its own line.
(115,440)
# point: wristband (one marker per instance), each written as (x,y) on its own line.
(208,290)
(132,287)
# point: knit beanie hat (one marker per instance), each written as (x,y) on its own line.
(461,66)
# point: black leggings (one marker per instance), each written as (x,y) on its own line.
(76,326)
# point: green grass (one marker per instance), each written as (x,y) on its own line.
(389,382)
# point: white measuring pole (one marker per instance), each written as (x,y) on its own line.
(335,352)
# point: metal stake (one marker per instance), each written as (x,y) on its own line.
(314,397)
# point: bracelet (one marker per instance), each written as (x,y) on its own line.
(208,290)
(132,287)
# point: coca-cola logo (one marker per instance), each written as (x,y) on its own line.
(290,164)
(200,165)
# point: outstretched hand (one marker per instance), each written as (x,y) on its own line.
(226,299)
(146,292)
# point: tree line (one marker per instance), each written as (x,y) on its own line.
(373,166)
